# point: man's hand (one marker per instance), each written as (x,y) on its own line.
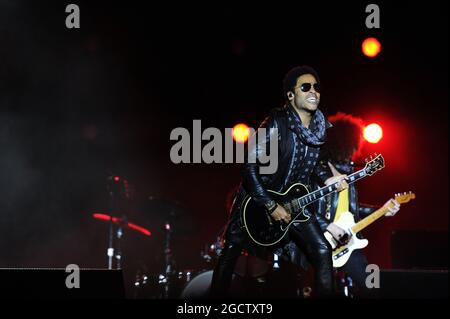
(392,210)
(337,232)
(280,214)
(340,180)
(337,178)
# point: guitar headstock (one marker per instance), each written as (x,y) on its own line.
(374,164)
(405,197)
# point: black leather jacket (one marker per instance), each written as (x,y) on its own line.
(256,184)
(326,207)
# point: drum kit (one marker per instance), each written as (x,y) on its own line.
(253,276)
(157,274)
(173,283)
(250,274)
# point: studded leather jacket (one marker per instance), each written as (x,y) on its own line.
(296,163)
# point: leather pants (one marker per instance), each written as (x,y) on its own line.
(223,272)
(307,236)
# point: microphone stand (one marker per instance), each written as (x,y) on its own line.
(110,250)
(115,232)
(167,260)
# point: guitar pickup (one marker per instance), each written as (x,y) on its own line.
(343,252)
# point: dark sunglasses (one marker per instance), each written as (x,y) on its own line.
(306,87)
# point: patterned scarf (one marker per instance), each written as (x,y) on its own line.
(316,134)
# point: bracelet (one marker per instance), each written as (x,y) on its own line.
(271,206)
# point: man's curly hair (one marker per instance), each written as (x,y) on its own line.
(344,139)
(290,80)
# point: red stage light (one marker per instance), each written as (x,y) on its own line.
(371,47)
(241,133)
(116,220)
(139,229)
(116,179)
(373,133)
(101,216)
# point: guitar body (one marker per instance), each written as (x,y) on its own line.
(263,229)
(342,253)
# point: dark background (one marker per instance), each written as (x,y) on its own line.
(79,105)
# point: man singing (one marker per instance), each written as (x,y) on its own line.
(301,128)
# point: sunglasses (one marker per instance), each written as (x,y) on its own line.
(306,87)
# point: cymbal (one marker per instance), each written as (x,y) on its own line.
(158,212)
(122,222)
(166,206)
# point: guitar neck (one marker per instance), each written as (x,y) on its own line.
(370,219)
(324,191)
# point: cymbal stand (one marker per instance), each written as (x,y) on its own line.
(114,252)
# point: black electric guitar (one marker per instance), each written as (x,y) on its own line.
(265,231)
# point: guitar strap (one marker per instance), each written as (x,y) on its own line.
(343,204)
